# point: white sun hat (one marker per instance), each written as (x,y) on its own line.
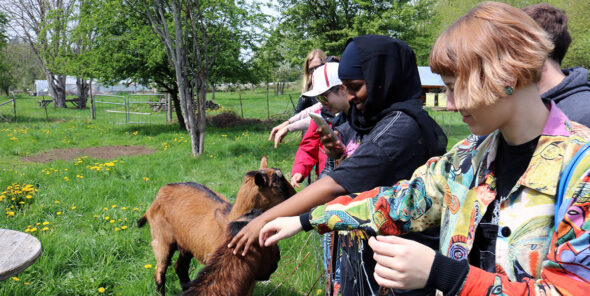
(324,78)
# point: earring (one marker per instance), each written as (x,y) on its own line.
(509,90)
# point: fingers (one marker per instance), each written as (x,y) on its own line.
(383,247)
(387,283)
(392,239)
(280,228)
(296,179)
(236,243)
(272,134)
(247,247)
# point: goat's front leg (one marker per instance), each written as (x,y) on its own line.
(182,266)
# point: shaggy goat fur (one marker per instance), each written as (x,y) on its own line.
(192,218)
(229,274)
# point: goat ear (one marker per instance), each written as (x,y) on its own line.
(263,163)
(220,217)
(260,179)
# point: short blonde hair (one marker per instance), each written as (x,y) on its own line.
(306,73)
(491,47)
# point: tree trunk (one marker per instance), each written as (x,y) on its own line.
(212,92)
(83,87)
(201,119)
(178,110)
(57,89)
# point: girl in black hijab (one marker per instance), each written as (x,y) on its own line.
(387,136)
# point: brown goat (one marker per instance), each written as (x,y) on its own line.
(192,218)
(229,274)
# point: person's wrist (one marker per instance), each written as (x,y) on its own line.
(304,221)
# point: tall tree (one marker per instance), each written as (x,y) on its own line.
(24,66)
(29,20)
(6,78)
(328,24)
(193,32)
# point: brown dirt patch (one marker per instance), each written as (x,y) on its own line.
(230,119)
(105,152)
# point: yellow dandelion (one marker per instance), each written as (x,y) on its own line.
(123,227)
(101,290)
(112,221)
(146,179)
(113,206)
(34,229)
(56,202)
(74,207)
(107,218)
(26,283)
(136,209)
(148,266)
(10,213)
(45,223)
(45,228)
(123,208)
(15,279)
(117,229)
(95,216)
(106,209)
(58,213)
(29,196)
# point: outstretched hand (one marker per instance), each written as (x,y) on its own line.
(278,229)
(278,133)
(295,179)
(332,145)
(401,263)
(247,236)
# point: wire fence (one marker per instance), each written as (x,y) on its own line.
(131,109)
(10,100)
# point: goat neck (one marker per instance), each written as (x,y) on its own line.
(246,199)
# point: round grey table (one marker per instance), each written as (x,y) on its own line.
(18,251)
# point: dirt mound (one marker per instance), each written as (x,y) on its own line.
(230,119)
(105,152)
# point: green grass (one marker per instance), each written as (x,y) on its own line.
(82,249)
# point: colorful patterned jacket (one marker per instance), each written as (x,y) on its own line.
(453,191)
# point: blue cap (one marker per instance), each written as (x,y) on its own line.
(350,63)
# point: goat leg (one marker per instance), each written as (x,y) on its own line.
(182,266)
(163,254)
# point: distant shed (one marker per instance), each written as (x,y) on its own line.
(429,79)
(432,86)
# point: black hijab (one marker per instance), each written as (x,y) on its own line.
(393,84)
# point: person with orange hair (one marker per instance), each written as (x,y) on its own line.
(494,195)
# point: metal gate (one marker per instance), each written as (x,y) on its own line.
(133,108)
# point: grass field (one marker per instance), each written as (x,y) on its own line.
(84,210)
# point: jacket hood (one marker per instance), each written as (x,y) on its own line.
(393,84)
(391,76)
(575,81)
